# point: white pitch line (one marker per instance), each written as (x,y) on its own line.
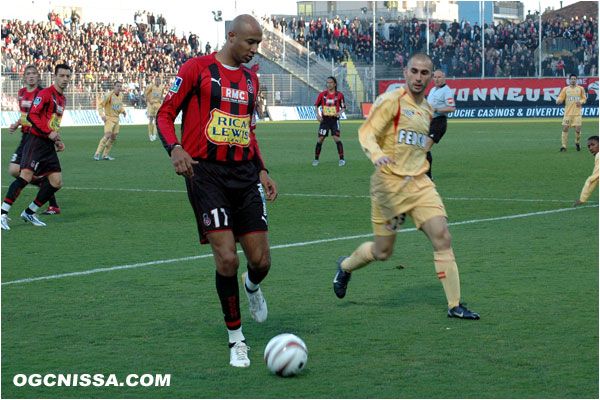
(282,246)
(345,196)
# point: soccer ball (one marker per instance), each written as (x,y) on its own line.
(286,355)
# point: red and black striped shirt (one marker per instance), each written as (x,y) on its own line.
(26,99)
(46,112)
(331,103)
(218,108)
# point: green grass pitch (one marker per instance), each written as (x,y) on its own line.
(528,264)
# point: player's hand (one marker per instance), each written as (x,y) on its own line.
(103,118)
(269,185)
(60,146)
(54,136)
(383,161)
(182,162)
(319,118)
(13,127)
(578,104)
(578,202)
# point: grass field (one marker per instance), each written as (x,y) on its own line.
(143,300)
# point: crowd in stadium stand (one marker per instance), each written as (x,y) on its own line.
(455,47)
(103,53)
(98,53)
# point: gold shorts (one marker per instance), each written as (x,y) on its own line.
(152,110)
(571,120)
(392,196)
(111,125)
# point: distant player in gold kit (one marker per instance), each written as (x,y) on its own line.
(592,181)
(394,138)
(573,96)
(154,95)
(109,109)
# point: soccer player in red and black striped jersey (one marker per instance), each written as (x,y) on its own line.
(39,156)
(333,105)
(26,97)
(226,179)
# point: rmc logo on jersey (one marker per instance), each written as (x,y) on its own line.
(234,95)
(225,128)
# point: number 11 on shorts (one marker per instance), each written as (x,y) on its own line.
(216,219)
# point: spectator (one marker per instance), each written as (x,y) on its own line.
(162,23)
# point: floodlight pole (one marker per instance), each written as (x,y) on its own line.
(540,39)
(482,35)
(427,11)
(374,40)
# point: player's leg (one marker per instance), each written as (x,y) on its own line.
(436,230)
(256,249)
(53,207)
(227,263)
(14,169)
(111,141)
(154,127)
(577,137)
(323,133)
(151,116)
(103,141)
(14,190)
(335,133)
(209,200)
(565,134)
(251,230)
(49,187)
(381,249)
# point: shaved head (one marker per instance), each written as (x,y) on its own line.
(243,38)
(421,57)
(244,23)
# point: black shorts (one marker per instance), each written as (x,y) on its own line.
(437,129)
(329,124)
(227,197)
(39,156)
(16,157)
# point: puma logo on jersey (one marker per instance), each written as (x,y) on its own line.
(217,81)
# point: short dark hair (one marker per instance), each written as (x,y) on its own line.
(61,66)
(595,137)
(420,56)
(575,75)
(31,66)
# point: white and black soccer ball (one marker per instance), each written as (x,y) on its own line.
(286,355)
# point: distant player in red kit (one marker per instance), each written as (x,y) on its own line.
(333,105)
(226,179)
(39,153)
(26,97)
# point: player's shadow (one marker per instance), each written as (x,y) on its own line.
(429,293)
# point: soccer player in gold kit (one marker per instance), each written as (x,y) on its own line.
(394,138)
(154,95)
(109,109)
(574,97)
(592,181)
